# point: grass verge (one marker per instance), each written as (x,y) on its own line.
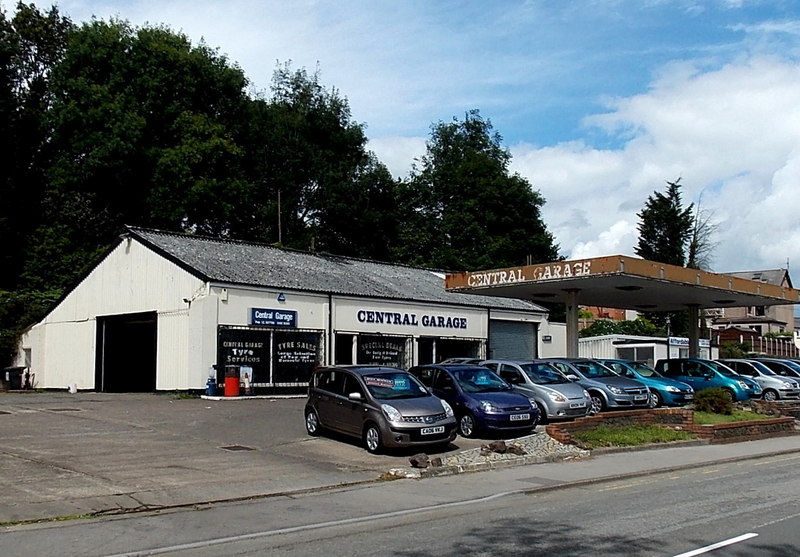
(710,418)
(628,436)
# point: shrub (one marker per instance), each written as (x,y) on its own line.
(715,400)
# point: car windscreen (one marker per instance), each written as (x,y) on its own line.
(394,385)
(644,370)
(762,368)
(722,368)
(593,369)
(543,374)
(480,380)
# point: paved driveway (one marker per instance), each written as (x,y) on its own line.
(67,454)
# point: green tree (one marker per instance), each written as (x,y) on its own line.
(31,43)
(665,227)
(462,209)
(144,133)
(637,327)
(315,185)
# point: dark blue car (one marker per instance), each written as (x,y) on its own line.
(481,400)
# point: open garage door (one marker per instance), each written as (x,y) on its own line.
(126,353)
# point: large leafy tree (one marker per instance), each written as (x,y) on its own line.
(665,227)
(144,132)
(463,209)
(31,43)
(315,185)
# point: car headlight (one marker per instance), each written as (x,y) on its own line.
(586,394)
(788,386)
(487,406)
(671,389)
(448,410)
(557,397)
(744,385)
(616,390)
(392,413)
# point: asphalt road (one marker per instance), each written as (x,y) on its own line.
(665,514)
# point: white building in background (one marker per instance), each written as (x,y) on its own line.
(642,349)
(160,311)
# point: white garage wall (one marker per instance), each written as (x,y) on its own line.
(130,279)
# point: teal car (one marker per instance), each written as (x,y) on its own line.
(704,374)
(664,391)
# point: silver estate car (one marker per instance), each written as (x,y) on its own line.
(383,406)
(556,396)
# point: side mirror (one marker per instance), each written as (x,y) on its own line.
(572,377)
(355,397)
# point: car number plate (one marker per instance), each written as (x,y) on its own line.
(432,430)
(577,404)
(639,397)
(689,397)
(519,417)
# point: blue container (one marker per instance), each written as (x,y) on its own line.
(211,387)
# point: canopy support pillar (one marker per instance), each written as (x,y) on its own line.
(572,322)
(694,331)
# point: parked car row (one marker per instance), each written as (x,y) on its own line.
(430,404)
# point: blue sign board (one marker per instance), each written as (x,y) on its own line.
(273,317)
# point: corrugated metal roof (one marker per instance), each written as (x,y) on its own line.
(245,263)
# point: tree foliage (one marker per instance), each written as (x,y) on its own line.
(637,327)
(312,174)
(107,124)
(665,227)
(31,43)
(462,209)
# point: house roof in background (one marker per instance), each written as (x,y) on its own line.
(769,276)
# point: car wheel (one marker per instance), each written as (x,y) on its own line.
(466,425)
(598,404)
(729,394)
(542,414)
(312,422)
(770,395)
(372,439)
(655,400)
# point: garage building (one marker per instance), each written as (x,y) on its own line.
(166,311)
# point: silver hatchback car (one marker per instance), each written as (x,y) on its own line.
(382,406)
(556,396)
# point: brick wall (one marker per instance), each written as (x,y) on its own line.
(676,418)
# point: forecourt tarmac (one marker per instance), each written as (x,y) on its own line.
(66,455)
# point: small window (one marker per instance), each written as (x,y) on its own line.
(351,385)
(443,381)
(329,380)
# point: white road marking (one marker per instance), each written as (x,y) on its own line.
(306,527)
(717,545)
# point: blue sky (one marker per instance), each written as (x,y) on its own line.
(599,101)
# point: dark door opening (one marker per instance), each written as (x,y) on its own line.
(126,353)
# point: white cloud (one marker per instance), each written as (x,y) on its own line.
(732,134)
(398,153)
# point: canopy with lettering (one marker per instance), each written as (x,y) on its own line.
(624,282)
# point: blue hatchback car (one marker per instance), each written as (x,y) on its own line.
(663,390)
(703,374)
(481,399)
